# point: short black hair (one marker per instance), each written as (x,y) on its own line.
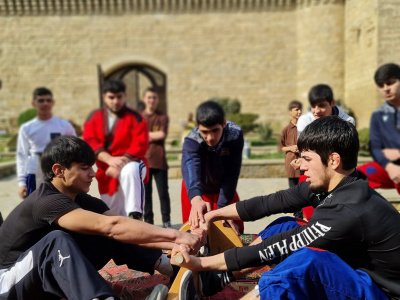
(331,134)
(320,93)
(113,86)
(210,113)
(65,150)
(385,73)
(41,91)
(295,104)
(152,89)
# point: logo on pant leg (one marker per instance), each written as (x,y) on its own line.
(61,258)
(371,170)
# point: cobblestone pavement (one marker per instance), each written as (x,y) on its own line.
(247,188)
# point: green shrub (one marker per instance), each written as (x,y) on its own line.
(245,120)
(12,144)
(363,136)
(265,131)
(230,106)
(26,116)
(175,143)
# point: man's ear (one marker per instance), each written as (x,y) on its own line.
(333,103)
(58,170)
(223,126)
(334,160)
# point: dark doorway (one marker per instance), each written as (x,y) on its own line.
(137,78)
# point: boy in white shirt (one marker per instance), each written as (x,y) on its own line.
(34,136)
(322,104)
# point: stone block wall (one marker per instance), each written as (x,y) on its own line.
(263,52)
(361,46)
(320,48)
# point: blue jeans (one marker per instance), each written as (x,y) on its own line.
(30,183)
(314,274)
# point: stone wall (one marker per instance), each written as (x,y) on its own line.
(361,46)
(263,52)
(241,55)
(320,48)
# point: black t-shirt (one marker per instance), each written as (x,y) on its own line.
(34,217)
(353,221)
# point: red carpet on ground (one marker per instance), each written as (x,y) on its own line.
(135,285)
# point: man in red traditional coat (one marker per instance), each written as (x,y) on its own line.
(120,138)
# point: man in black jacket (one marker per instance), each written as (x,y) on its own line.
(350,248)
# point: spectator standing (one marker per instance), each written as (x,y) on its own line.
(33,137)
(288,142)
(158,168)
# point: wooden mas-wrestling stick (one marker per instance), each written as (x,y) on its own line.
(178,259)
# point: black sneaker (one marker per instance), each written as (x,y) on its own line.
(163,265)
(135,215)
(212,282)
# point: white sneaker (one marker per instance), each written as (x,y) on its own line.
(204,251)
(187,289)
(183,286)
(159,292)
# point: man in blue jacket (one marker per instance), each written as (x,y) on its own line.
(211,162)
(384,132)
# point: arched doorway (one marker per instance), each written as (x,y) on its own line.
(137,78)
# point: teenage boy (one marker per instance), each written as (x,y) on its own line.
(355,226)
(211,162)
(53,243)
(158,129)
(119,137)
(288,143)
(33,136)
(322,103)
(384,132)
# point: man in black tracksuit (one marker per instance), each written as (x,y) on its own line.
(358,230)
(53,243)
